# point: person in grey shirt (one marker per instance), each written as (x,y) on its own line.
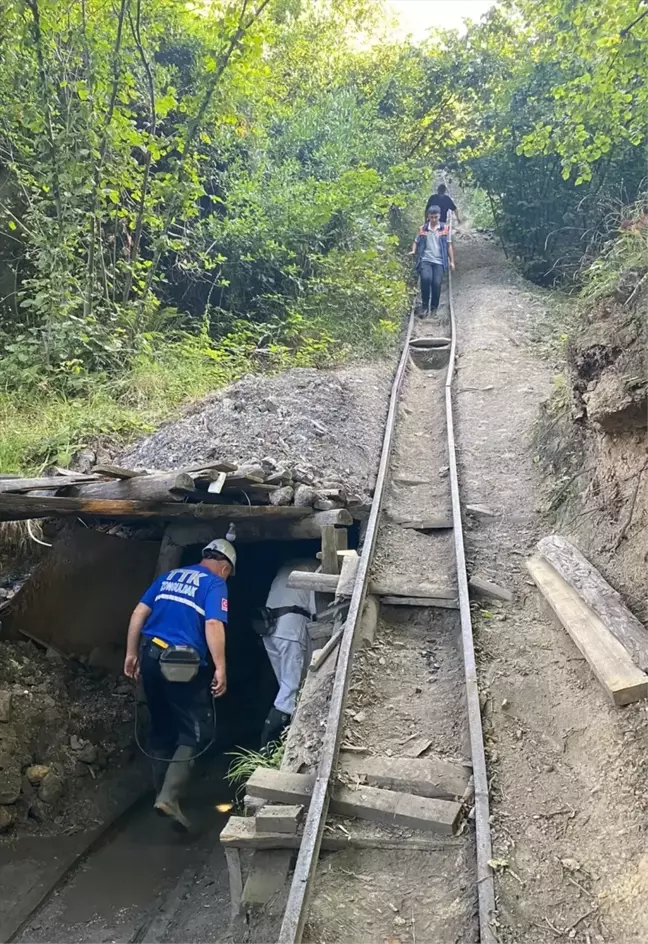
(433,254)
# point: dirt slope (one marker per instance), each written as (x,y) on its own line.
(567,770)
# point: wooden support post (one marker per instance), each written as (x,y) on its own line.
(233,859)
(329,550)
(170,555)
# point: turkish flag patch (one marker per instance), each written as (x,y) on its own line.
(224,604)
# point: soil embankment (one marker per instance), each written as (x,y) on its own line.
(567,769)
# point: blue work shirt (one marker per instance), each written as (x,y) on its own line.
(180,602)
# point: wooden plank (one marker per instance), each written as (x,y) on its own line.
(348,574)
(488,590)
(279,819)
(216,486)
(18,507)
(267,877)
(597,593)
(435,523)
(240,833)
(205,469)
(429,777)
(329,550)
(371,803)
(421,601)
(236,480)
(47,482)
(393,587)
(116,472)
(233,859)
(157,487)
(610,662)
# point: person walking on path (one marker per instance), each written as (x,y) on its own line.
(175,628)
(433,253)
(444,201)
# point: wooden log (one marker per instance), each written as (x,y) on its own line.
(320,583)
(18,507)
(371,803)
(287,528)
(329,550)
(47,482)
(157,487)
(608,659)
(240,833)
(429,777)
(597,593)
(233,859)
(279,819)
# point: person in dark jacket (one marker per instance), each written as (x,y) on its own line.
(444,202)
(433,253)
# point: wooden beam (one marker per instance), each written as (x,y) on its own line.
(428,777)
(19,507)
(273,529)
(240,833)
(157,487)
(485,589)
(610,662)
(371,803)
(435,523)
(366,628)
(602,599)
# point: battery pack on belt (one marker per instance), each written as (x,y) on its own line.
(177,663)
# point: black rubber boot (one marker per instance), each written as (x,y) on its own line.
(175,781)
(275,724)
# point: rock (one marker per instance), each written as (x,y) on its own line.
(302,475)
(325,504)
(280,477)
(282,496)
(88,754)
(10,779)
(616,405)
(76,743)
(251,469)
(83,460)
(8,817)
(305,496)
(37,773)
(51,788)
(269,464)
(53,656)
(5,706)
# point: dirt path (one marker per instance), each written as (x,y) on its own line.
(567,769)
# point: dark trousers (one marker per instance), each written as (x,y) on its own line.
(431,274)
(181,712)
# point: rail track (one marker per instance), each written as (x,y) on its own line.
(301,890)
(158,902)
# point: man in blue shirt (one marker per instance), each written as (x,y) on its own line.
(178,624)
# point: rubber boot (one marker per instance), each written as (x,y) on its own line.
(276,722)
(176,779)
(159,766)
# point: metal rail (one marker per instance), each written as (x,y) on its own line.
(485,886)
(299,896)
(297,906)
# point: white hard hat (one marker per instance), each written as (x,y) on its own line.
(225,548)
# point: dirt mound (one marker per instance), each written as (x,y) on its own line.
(328,423)
(63,726)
